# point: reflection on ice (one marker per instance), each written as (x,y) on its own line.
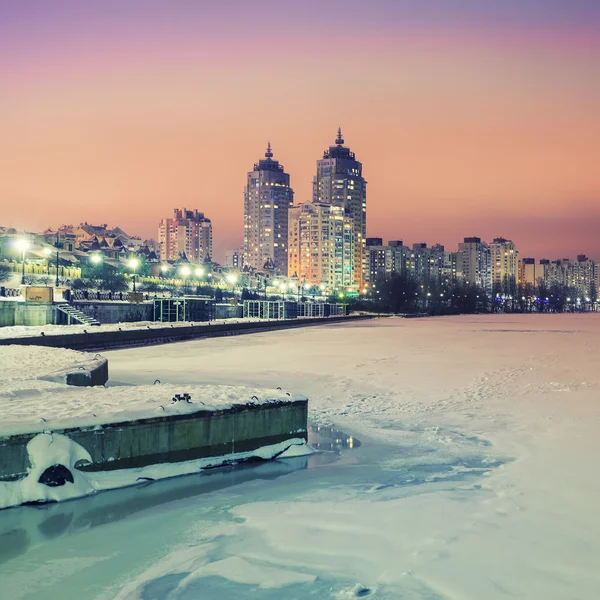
(325,438)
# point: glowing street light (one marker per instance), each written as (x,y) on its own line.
(96,258)
(231,278)
(133,264)
(199,272)
(164,268)
(185,272)
(23,244)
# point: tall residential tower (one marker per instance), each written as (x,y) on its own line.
(188,232)
(339,182)
(267,198)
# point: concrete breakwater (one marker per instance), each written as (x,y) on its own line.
(132,444)
(104,340)
(88,373)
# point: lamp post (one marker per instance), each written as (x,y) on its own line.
(22,244)
(199,273)
(185,272)
(57,246)
(48,252)
(134,263)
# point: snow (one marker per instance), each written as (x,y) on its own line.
(31,404)
(44,451)
(293,451)
(59,407)
(23,363)
(476,477)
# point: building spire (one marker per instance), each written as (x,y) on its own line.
(268,153)
(340,140)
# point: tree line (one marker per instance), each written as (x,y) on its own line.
(402,293)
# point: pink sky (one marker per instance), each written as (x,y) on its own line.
(486,126)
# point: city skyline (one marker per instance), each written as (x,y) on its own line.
(472,122)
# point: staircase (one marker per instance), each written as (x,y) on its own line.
(75,316)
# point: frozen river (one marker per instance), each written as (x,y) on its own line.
(475,475)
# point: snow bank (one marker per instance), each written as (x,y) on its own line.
(24,363)
(46,451)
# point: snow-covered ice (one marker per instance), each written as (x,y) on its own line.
(476,477)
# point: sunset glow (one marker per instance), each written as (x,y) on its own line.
(468,122)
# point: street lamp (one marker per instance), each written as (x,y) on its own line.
(57,246)
(199,272)
(22,244)
(96,258)
(231,278)
(47,253)
(185,272)
(134,263)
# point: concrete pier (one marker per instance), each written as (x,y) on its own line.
(158,334)
(168,439)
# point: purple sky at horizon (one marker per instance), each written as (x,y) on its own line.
(470,118)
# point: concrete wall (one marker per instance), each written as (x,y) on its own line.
(26,313)
(116,312)
(88,374)
(175,438)
(34,313)
(229,311)
(104,340)
(7,313)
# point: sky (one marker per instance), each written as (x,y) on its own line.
(471,117)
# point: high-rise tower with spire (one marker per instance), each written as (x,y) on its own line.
(267,198)
(339,182)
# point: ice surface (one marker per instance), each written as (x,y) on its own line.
(475,477)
